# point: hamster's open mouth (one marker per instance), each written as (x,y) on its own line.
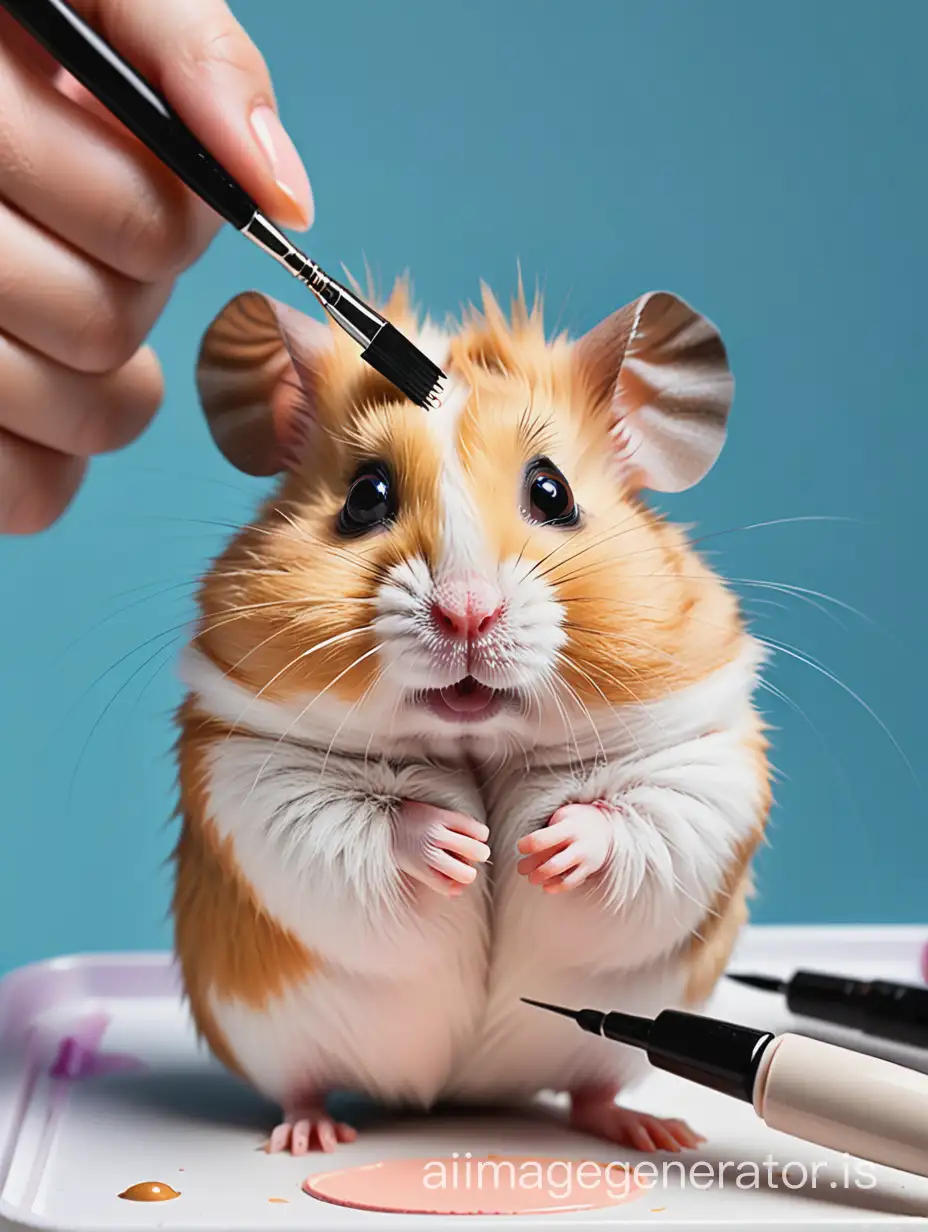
(468,701)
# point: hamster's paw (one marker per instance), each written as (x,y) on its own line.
(309,1128)
(596,1112)
(574,845)
(439,848)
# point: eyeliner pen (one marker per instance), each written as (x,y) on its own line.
(831,1096)
(879,1008)
(126,93)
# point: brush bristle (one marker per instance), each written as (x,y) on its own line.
(404,365)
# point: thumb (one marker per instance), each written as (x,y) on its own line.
(199,56)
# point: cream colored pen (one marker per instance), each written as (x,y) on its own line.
(824,1094)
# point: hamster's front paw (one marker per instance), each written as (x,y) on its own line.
(439,848)
(574,846)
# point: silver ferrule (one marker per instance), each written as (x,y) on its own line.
(342,305)
(274,242)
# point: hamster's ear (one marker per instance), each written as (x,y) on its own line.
(660,372)
(258,375)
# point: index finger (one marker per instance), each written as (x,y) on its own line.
(199,56)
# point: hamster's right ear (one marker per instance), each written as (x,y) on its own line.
(258,376)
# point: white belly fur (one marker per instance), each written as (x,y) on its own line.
(425,1005)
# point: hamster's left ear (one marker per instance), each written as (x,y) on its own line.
(259,376)
(660,372)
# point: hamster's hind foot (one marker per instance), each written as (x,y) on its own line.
(308,1127)
(594,1111)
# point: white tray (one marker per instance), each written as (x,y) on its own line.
(135,1100)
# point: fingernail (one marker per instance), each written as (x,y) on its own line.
(285,164)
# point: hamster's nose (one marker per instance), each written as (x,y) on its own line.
(466,607)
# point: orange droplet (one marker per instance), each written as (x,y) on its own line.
(149,1191)
(655,1209)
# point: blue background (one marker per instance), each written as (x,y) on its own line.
(767,162)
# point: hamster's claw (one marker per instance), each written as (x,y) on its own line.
(309,1129)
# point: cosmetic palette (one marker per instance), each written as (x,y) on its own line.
(113,1117)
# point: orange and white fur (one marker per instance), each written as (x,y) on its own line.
(466,721)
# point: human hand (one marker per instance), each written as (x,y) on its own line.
(94,231)
(439,848)
(571,848)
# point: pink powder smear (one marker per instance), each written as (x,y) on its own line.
(481,1185)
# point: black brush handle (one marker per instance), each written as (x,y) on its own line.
(117,85)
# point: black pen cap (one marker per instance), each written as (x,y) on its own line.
(893,1011)
(720,1055)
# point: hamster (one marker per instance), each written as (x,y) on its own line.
(466,721)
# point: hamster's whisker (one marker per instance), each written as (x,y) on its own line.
(283,736)
(522,552)
(531,703)
(634,643)
(612,530)
(616,712)
(794,653)
(173,629)
(579,700)
(103,713)
(189,477)
(782,696)
(655,548)
(553,682)
(545,682)
(378,676)
(374,571)
(638,643)
(228,616)
(120,611)
(699,539)
(635,605)
(396,705)
(159,668)
(237,527)
(799,518)
(157,637)
(304,601)
(286,627)
(165,589)
(803,593)
(334,640)
(731,530)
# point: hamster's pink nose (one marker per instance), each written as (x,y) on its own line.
(466,607)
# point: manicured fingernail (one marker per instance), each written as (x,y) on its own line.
(286,166)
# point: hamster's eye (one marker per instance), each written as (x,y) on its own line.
(548,498)
(369,502)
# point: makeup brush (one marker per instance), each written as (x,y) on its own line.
(879,1008)
(102,71)
(827,1095)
